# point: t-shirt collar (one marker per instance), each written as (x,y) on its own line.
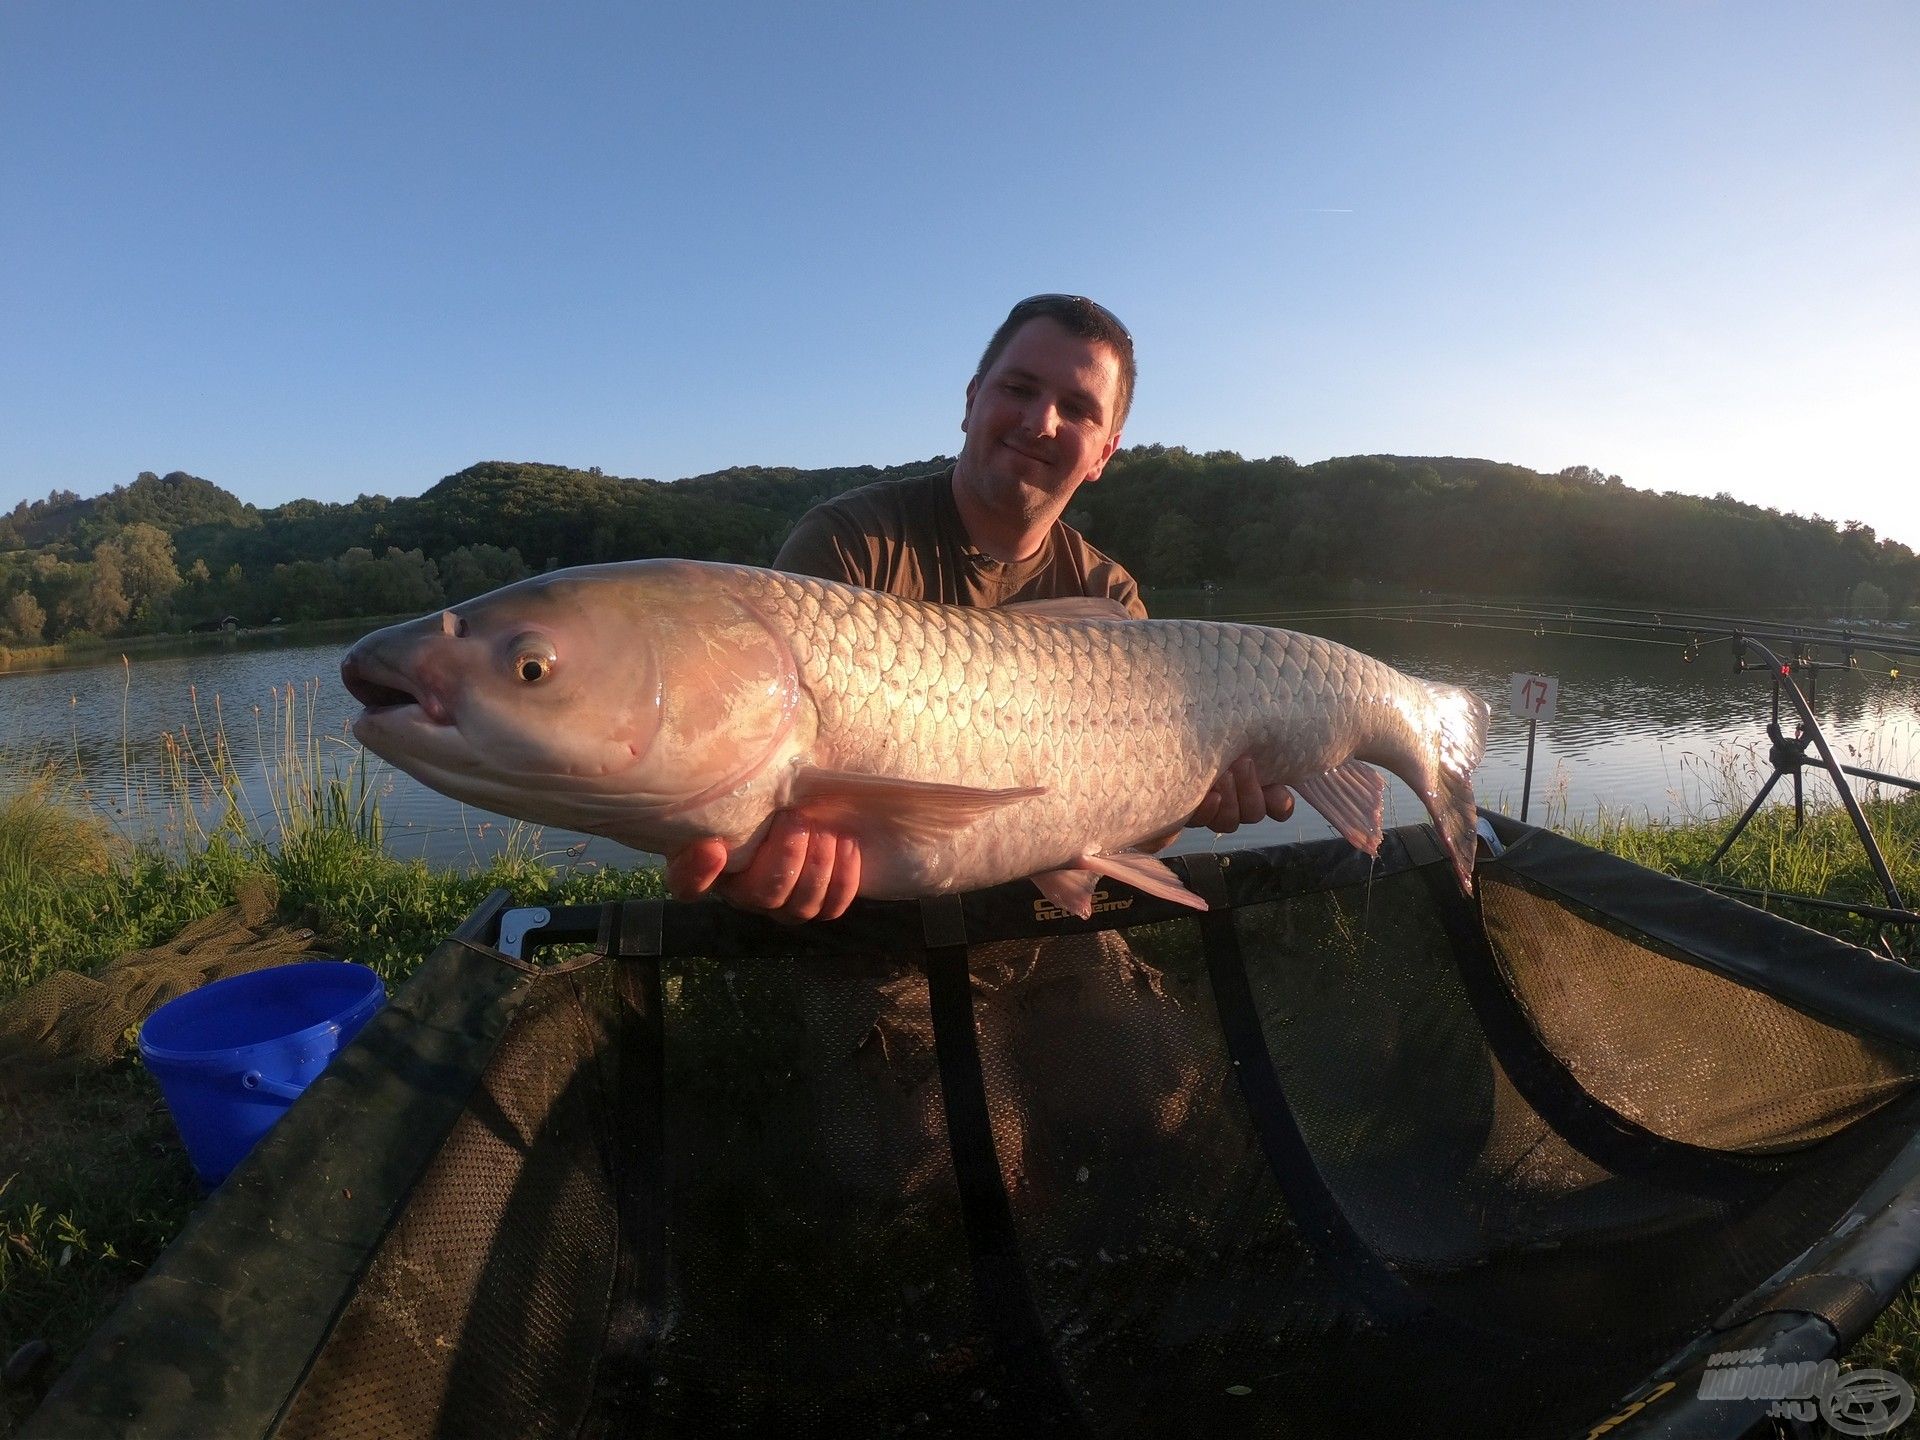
(1007,574)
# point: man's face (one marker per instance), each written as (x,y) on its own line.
(1040,422)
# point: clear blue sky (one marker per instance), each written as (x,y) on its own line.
(315,250)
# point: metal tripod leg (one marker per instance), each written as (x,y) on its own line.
(1752,810)
(1784,682)
(1871,845)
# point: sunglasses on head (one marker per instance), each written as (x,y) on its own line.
(1047,301)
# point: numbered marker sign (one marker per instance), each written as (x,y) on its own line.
(1534,697)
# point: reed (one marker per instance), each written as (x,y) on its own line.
(43,834)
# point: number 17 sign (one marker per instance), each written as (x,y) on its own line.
(1534,697)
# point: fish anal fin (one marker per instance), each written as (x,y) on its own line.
(1143,872)
(1351,797)
(870,805)
(1071,890)
(1073,607)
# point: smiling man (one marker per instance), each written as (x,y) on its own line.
(1043,416)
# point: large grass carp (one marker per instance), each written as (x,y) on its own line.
(660,701)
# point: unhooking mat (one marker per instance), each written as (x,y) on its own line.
(1347,1154)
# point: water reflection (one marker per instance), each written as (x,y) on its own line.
(1638,732)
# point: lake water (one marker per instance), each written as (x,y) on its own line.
(1638,731)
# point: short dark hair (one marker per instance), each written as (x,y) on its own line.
(1078,316)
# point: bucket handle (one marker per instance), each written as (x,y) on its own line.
(254,1080)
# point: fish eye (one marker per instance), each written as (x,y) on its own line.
(533,659)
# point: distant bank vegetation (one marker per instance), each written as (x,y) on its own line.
(175,552)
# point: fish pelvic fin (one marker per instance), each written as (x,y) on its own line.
(875,805)
(1459,739)
(1072,888)
(1352,798)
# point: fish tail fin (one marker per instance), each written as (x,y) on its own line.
(1459,739)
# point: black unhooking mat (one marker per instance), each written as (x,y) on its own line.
(1346,1154)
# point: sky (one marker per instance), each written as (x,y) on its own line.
(326,249)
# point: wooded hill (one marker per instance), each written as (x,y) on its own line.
(175,551)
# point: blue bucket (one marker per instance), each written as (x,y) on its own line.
(232,1056)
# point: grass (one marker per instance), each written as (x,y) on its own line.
(40,835)
(93,1184)
(1823,858)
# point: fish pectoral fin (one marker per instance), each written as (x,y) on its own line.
(1351,798)
(913,809)
(1072,888)
(1073,607)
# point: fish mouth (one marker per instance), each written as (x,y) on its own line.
(385,691)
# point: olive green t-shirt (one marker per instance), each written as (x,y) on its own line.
(906,537)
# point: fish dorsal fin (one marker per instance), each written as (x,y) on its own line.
(1073,607)
(1072,888)
(918,810)
(1350,797)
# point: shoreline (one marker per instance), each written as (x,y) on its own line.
(84,654)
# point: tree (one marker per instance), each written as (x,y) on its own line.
(25,618)
(61,588)
(146,566)
(1303,553)
(1253,551)
(475,569)
(104,608)
(397,582)
(405,582)
(307,590)
(1868,602)
(1173,557)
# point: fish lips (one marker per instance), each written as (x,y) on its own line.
(388,692)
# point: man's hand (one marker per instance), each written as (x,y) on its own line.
(1238,798)
(803,871)
(800,872)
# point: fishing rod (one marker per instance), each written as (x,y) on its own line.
(1614,616)
(1701,625)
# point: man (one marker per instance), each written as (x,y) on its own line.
(1043,416)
